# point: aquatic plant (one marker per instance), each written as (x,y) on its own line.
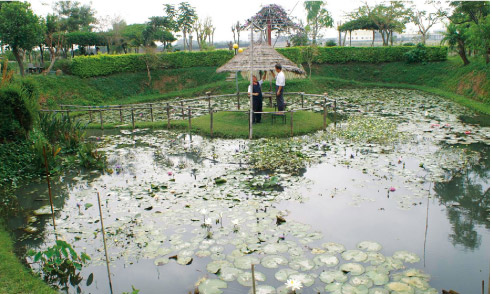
(366,129)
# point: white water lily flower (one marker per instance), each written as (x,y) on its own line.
(235,222)
(203,211)
(208,221)
(293,284)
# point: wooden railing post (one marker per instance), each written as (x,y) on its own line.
(168,116)
(189,118)
(182,110)
(151,113)
(101,117)
(68,114)
(335,114)
(90,114)
(302,99)
(238,104)
(209,101)
(133,119)
(121,114)
(324,112)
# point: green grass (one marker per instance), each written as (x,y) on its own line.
(14,277)
(235,125)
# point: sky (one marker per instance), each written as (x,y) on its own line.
(224,13)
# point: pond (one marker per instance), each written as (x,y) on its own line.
(407,213)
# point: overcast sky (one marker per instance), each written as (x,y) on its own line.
(224,13)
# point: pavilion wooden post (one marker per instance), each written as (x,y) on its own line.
(133,119)
(101,118)
(168,116)
(302,99)
(324,112)
(251,83)
(182,110)
(151,113)
(189,118)
(211,123)
(121,114)
(292,123)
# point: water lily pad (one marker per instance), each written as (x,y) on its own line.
(273,261)
(275,248)
(399,287)
(302,264)
(214,266)
(355,255)
(378,291)
(416,282)
(161,261)
(379,278)
(245,262)
(245,278)
(306,279)
(375,258)
(326,260)
(406,256)
(333,275)
(203,253)
(229,274)
(333,247)
(361,280)
(350,289)
(264,289)
(369,246)
(283,274)
(354,269)
(212,286)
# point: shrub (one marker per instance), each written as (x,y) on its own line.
(418,54)
(65,65)
(100,65)
(408,44)
(330,43)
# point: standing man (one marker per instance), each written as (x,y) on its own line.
(280,83)
(257,97)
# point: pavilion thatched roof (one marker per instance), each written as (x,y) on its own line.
(264,58)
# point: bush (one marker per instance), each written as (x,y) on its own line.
(408,44)
(19,110)
(330,43)
(336,55)
(65,65)
(101,65)
(416,55)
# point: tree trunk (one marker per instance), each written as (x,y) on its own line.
(184,40)
(383,37)
(339,38)
(148,75)
(41,49)
(350,40)
(373,37)
(344,38)
(53,59)
(462,52)
(391,37)
(19,57)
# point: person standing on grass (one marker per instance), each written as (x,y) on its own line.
(257,97)
(280,84)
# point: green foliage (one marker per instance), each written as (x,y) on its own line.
(17,161)
(418,54)
(18,111)
(408,44)
(335,55)
(60,129)
(368,130)
(134,291)
(278,155)
(89,157)
(60,264)
(317,18)
(101,65)
(65,65)
(300,38)
(330,43)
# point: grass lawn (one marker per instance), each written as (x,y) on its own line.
(235,125)
(14,277)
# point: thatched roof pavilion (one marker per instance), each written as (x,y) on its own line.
(264,59)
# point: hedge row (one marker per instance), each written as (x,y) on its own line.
(362,54)
(101,65)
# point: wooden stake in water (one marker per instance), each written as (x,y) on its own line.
(189,118)
(253,278)
(104,241)
(133,119)
(151,113)
(49,187)
(121,114)
(302,99)
(168,116)
(211,123)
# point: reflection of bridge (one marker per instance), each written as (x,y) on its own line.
(180,109)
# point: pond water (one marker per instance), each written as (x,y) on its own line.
(410,215)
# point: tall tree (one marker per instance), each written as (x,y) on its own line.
(317,18)
(186,17)
(20,28)
(425,20)
(236,29)
(53,38)
(74,16)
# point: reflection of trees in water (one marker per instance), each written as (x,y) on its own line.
(467,198)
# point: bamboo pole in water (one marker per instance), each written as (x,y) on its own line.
(104,241)
(49,188)
(253,278)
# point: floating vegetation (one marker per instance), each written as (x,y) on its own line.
(369,130)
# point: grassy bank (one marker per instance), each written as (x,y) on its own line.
(235,125)
(468,85)
(471,81)
(14,277)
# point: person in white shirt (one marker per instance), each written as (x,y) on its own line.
(257,97)
(280,83)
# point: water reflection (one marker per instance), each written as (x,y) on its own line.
(467,199)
